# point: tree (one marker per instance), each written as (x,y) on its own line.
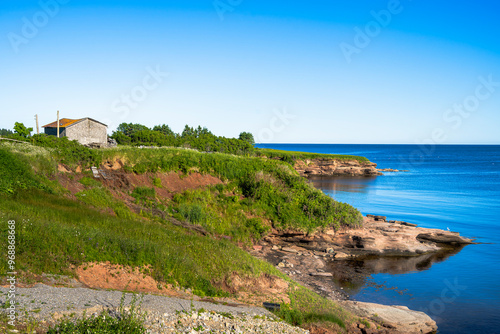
(121,138)
(22,130)
(129,128)
(165,129)
(187,132)
(5,132)
(248,137)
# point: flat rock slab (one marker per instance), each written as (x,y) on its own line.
(445,238)
(322,274)
(400,318)
(405,239)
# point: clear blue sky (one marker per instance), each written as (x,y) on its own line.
(234,65)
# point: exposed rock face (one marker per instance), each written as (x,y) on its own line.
(398,318)
(332,167)
(443,238)
(378,237)
(313,260)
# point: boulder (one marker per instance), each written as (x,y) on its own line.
(377,217)
(321,274)
(340,255)
(444,238)
(400,318)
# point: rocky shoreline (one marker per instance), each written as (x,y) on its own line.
(332,167)
(321,260)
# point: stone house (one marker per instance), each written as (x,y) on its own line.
(85,130)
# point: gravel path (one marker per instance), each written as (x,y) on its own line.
(164,314)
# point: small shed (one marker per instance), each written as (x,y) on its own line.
(85,130)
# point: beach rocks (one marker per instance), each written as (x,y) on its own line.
(45,305)
(392,170)
(341,256)
(378,218)
(397,318)
(285,264)
(322,274)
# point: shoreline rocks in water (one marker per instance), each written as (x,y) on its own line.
(381,237)
(331,167)
(377,236)
(311,259)
(392,170)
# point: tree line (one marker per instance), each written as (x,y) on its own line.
(198,138)
(135,134)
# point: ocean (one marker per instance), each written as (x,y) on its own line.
(455,187)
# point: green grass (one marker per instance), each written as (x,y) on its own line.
(98,196)
(308,307)
(292,156)
(107,322)
(55,234)
(220,212)
(16,171)
(270,187)
(143,193)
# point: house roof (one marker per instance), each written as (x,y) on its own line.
(66,122)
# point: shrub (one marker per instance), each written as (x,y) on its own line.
(68,152)
(16,174)
(106,322)
(143,193)
(193,213)
(89,182)
(157,182)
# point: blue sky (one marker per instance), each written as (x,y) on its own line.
(290,72)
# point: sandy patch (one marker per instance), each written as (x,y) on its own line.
(117,277)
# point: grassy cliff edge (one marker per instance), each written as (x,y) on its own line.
(57,233)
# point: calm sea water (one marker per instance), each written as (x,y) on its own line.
(454,187)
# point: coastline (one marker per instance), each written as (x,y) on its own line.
(309,258)
(321,260)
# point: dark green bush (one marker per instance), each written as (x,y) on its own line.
(143,193)
(16,174)
(68,152)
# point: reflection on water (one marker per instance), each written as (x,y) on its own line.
(352,275)
(355,184)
